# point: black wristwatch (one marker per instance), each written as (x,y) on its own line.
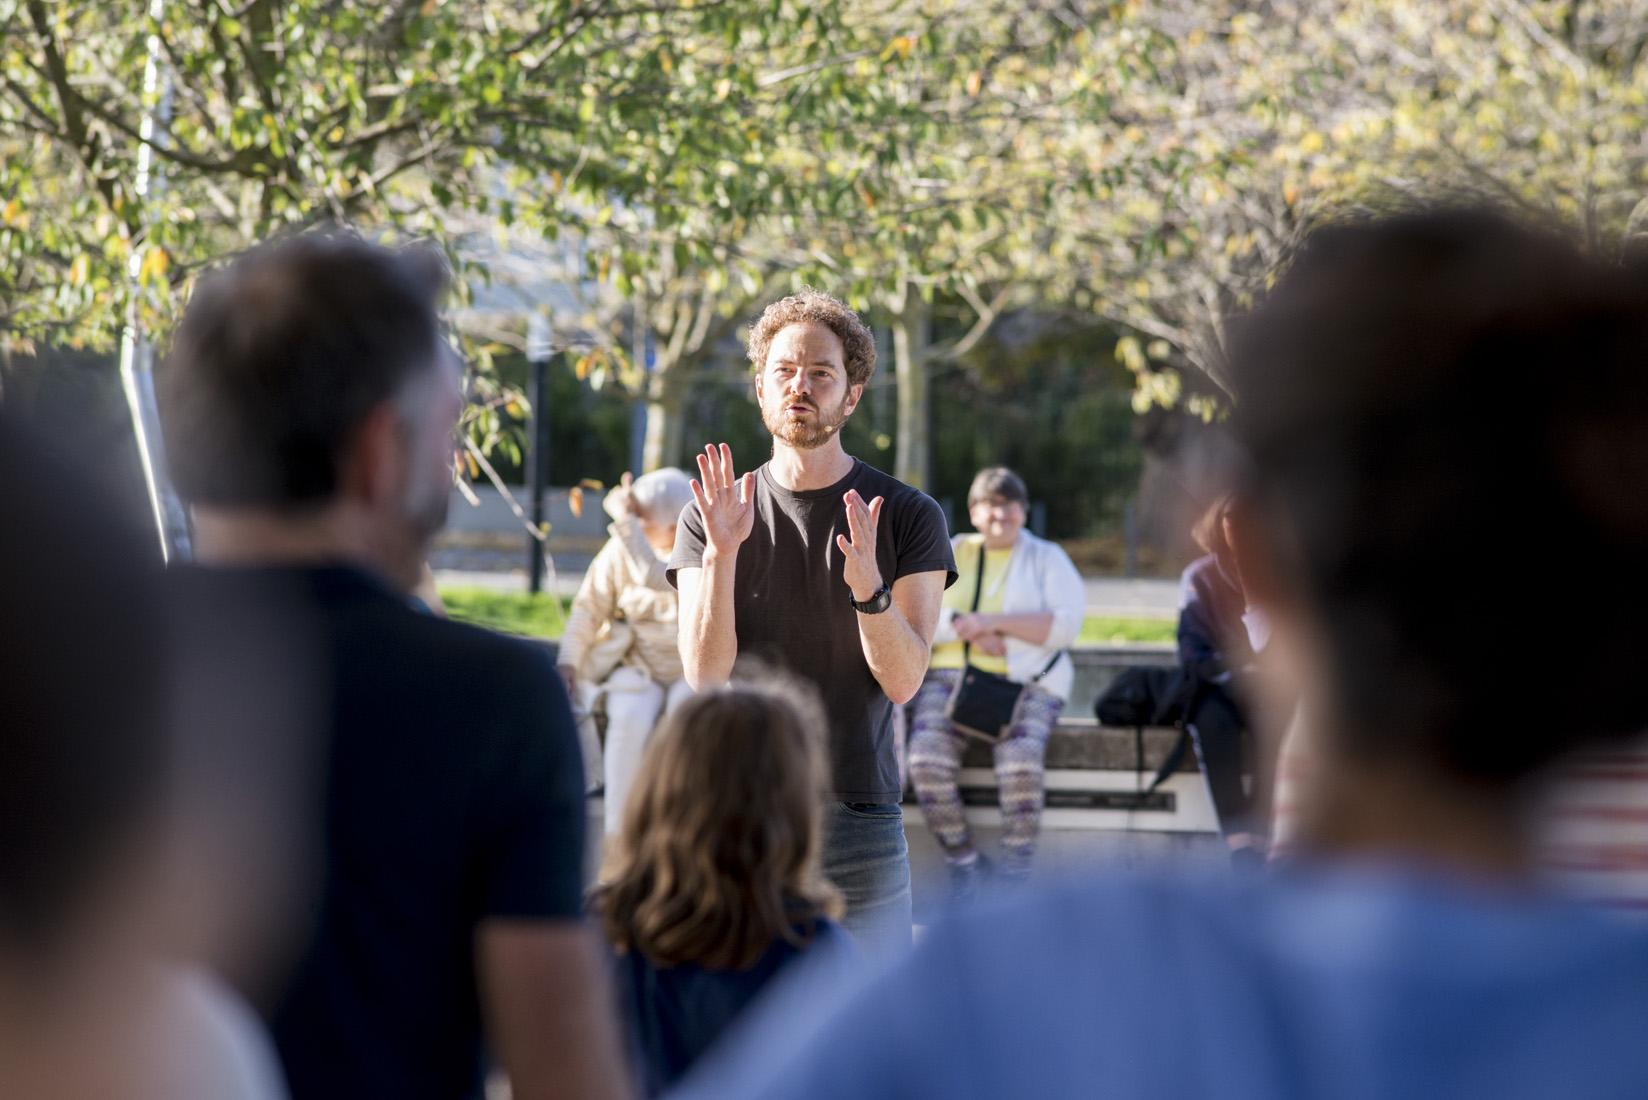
(876,604)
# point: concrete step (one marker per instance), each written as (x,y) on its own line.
(1095,781)
(1083,744)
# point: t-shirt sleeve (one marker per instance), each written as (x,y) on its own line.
(532,805)
(689,542)
(923,539)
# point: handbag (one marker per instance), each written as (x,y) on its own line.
(983,703)
(1151,696)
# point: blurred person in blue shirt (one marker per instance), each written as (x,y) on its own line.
(1409,387)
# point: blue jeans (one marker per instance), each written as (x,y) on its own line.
(866,857)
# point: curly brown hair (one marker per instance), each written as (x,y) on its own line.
(857,344)
(717,856)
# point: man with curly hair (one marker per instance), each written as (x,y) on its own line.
(819,564)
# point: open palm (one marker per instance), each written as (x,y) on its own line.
(726,502)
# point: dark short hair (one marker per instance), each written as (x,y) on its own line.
(817,307)
(84,688)
(998,481)
(1409,387)
(279,358)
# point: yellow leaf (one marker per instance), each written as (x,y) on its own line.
(1290,194)
(591,484)
(79,270)
(10,212)
(575,500)
(899,47)
(155,263)
(975,82)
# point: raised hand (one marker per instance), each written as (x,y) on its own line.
(859,569)
(726,502)
(619,502)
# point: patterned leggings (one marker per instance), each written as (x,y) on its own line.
(935,763)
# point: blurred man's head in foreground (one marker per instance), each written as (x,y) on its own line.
(309,381)
(1447,417)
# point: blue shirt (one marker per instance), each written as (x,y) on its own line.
(674,1014)
(1365,983)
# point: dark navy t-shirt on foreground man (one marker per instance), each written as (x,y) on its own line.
(452,793)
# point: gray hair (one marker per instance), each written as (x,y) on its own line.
(660,495)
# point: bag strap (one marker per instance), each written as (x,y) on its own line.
(1048,667)
(978,591)
(967,647)
(1190,689)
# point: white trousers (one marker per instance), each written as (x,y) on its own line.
(634,704)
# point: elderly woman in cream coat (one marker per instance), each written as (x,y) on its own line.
(619,649)
(1016,606)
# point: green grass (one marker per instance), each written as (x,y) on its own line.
(544,616)
(1111,630)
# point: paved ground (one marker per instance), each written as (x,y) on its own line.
(1150,599)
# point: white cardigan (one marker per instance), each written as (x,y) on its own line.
(1040,577)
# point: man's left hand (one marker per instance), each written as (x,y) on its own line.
(859,566)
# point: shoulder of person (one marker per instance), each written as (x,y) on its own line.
(482,658)
(1045,549)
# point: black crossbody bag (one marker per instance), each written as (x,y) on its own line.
(983,703)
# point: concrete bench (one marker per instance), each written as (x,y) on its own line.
(1094,781)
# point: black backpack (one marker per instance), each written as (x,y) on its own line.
(1161,695)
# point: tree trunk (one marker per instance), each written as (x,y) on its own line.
(666,419)
(911,332)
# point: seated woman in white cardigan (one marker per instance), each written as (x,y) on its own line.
(619,647)
(1016,605)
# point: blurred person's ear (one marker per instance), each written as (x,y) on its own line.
(375,465)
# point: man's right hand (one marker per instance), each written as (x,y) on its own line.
(726,502)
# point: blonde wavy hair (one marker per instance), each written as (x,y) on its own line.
(717,854)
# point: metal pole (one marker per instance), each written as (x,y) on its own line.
(136,354)
(537,353)
(1130,535)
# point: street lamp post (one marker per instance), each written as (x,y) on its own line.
(538,340)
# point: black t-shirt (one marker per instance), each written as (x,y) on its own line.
(450,791)
(791,606)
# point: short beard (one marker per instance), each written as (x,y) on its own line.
(801,436)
